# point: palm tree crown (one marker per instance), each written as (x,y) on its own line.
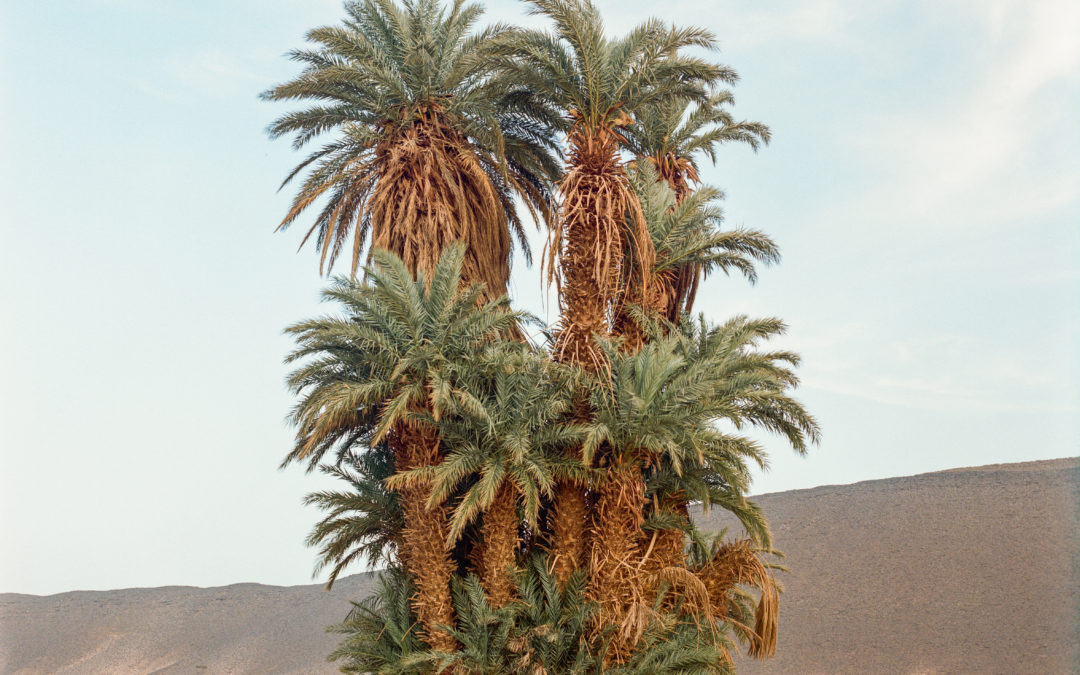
(429,148)
(669,134)
(690,243)
(596,84)
(387,371)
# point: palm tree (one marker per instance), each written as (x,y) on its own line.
(546,631)
(429,149)
(667,138)
(687,234)
(385,372)
(662,404)
(504,453)
(669,134)
(364,521)
(597,84)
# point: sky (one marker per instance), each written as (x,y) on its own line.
(923,185)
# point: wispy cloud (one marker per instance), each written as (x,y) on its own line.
(986,154)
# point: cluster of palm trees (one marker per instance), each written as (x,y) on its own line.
(529,491)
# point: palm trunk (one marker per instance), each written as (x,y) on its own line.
(500,546)
(567,530)
(423,551)
(669,547)
(600,221)
(617,579)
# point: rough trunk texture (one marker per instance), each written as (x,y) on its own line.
(600,222)
(669,546)
(567,530)
(500,547)
(423,550)
(616,577)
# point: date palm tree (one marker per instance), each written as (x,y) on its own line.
(668,137)
(597,83)
(428,148)
(385,371)
(663,403)
(686,233)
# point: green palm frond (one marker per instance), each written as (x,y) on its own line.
(679,129)
(379,363)
(576,67)
(547,630)
(363,522)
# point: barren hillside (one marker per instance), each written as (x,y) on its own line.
(964,571)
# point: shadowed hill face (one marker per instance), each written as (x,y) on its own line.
(970,570)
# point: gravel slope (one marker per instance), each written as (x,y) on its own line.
(964,571)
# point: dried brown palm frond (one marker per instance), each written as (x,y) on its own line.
(735,563)
(433,191)
(601,237)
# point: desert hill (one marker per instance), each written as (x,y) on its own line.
(965,571)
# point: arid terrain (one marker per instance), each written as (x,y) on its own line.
(965,571)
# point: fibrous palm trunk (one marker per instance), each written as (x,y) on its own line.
(600,220)
(423,543)
(616,577)
(499,547)
(433,191)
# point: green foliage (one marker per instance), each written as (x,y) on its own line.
(513,429)
(576,67)
(690,233)
(545,631)
(392,357)
(381,630)
(673,127)
(364,521)
(429,353)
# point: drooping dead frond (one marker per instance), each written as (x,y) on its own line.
(736,563)
(601,235)
(433,191)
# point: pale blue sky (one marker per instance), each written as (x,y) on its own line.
(923,183)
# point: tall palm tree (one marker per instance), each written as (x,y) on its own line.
(385,371)
(429,148)
(505,452)
(597,83)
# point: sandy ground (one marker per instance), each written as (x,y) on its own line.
(964,571)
